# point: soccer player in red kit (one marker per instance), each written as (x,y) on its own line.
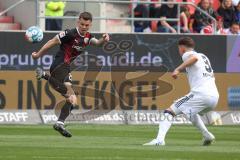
(72,43)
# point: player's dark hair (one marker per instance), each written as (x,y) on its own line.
(86,16)
(235,23)
(186,41)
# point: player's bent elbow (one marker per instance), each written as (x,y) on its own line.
(195,58)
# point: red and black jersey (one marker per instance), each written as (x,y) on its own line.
(72,45)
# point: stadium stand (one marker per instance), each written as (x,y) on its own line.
(10,26)
(118,10)
(121,10)
(7,23)
(6,19)
(198,22)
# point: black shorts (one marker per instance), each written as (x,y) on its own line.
(61,72)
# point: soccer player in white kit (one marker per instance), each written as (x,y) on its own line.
(202,97)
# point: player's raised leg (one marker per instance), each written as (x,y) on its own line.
(55,83)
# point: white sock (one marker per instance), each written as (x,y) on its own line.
(197,121)
(59,122)
(164,126)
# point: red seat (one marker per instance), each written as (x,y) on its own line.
(7,22)
(10,26)
(154,26)
(6,19)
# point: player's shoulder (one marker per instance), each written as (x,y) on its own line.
(188,53)
(72,31)
(67,32)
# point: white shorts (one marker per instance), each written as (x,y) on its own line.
(193,103)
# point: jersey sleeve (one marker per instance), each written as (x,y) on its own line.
(186,56)
(65,36)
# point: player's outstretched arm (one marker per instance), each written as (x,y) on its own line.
(51,43)
(99,42)
(190,61)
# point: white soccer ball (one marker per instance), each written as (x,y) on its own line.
(34,34)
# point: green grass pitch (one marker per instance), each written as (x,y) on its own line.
(117,142)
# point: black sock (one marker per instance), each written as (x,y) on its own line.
(65,111)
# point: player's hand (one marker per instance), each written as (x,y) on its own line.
(35,55)
(106,37)
(175,73)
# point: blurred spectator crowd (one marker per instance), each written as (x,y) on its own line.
(226,13)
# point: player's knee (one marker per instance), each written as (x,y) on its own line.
(169,111)
(193,118)
(72,99)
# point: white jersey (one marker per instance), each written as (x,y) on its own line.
(200,75)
